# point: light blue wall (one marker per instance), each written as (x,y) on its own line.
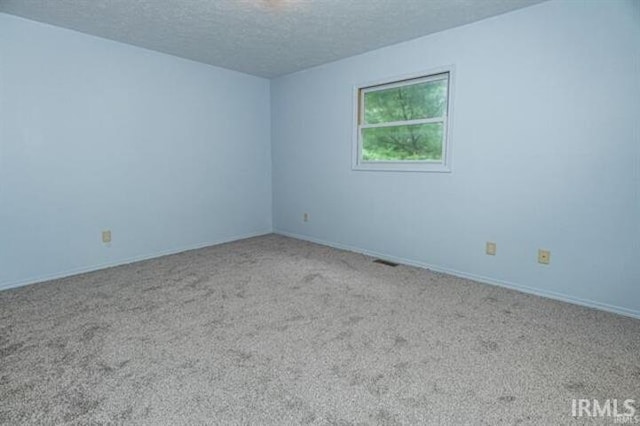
(546,154)
(169,154)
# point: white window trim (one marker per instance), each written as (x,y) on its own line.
(442,166)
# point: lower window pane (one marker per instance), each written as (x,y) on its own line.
(417,142)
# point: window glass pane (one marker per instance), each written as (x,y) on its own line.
(409,102)
(411,142)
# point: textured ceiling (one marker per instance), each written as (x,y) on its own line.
(261,37)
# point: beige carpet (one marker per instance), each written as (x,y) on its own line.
(273,330)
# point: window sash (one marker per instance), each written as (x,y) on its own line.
(403,83)
(443,147)
(406,82)
(441,119)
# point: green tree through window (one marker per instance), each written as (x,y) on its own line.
(404,121)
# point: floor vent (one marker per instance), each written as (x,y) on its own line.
(385,262)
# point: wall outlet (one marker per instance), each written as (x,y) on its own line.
(544,256)
(106,236)
(305,217)
(491,248)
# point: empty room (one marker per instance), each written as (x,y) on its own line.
(325,212)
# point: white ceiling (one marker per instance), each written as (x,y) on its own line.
(261,37)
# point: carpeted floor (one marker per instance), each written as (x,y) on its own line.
(272,330)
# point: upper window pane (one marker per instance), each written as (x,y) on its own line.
(417,101)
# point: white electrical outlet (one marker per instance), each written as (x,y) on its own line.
(544,256)
(305,217)
(106,236)
(491,248)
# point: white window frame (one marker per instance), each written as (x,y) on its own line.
(438,166)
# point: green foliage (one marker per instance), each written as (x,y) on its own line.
(412,142)
(405,142)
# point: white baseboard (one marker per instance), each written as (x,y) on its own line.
(486,280)
(82,270)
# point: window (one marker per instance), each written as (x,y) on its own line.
(404,125)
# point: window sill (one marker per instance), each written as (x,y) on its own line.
(405,166)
